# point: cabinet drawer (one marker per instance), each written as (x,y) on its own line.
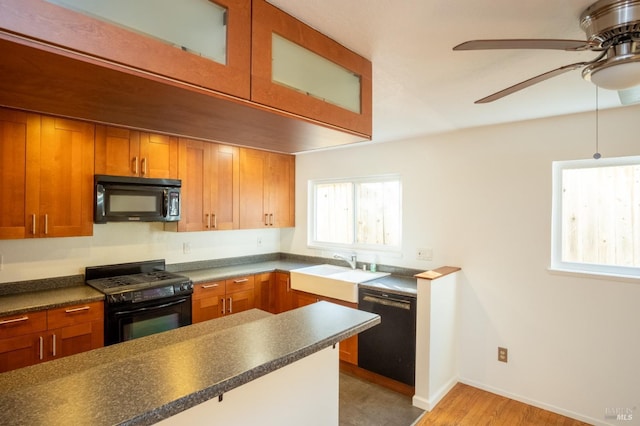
(75,314)
(16,325)
(239,284)
(208,289)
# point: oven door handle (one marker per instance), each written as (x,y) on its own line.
(151,308)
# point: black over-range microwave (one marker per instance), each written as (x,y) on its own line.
(126,199)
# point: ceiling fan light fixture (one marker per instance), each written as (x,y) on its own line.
(629,96)
(619,74)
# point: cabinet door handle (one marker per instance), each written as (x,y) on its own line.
(224,305)
(73,310)
(46,224)
(210,285)
(134,166)
(266,219)
(270,219)
(33,224)
(207,221)
(41,347)
(54,345)
(240,280)
(230,305)
(215,221)
(11,321)
(143,162)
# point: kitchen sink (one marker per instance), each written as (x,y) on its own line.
(337,282)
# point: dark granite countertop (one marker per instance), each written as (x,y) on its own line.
(394,284)
(224,272)
(21,297)
(21,303)
(148,379)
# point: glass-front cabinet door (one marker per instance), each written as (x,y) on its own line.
(198,26)
(201,42)
(297,69)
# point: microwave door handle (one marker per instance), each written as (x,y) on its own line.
(151,308)
(100,212)
(165,205)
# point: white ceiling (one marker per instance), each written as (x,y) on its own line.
(420,86)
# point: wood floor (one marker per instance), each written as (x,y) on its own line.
(468,406)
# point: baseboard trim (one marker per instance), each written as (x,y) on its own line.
(548,407)
(430,404)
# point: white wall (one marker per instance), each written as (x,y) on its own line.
(126,242)
(481,198)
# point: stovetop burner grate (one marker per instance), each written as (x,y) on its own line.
(132,276)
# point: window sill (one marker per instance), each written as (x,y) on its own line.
(595,275)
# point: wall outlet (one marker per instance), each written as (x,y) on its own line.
(186,248)
(424,254)
(503,354)
(259,242)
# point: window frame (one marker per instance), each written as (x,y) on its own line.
(311,216)
(557,264)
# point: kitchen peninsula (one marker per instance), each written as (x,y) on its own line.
(189,372)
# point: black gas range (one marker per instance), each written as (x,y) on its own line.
(141,298)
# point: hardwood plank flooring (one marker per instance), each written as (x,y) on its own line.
(468,406)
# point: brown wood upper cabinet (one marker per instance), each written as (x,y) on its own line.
(142,47)
(118,71)
(299,70)
(210,186)
(124,152)
(38,156)
(267,187)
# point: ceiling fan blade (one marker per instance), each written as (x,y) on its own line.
(557,44)
(530,82)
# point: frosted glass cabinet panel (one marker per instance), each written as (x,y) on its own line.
(297,69)
(302,70)
(196,26)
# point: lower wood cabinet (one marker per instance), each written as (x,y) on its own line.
(35,337)
(263,291)
(348,347)
(215,299)
(273,292)
(283,293)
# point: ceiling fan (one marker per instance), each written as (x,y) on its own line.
(613,30)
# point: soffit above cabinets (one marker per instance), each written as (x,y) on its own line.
(44,77)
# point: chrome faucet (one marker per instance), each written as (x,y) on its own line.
(351,262)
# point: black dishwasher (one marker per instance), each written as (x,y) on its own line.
(389,348)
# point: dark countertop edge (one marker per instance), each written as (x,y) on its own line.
(51,299)
(190,401)
(111,353)
(346,323)
(28,286)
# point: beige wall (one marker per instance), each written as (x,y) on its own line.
(481,199)
(126,242)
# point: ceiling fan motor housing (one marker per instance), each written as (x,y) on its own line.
(607,20)
(615,26)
